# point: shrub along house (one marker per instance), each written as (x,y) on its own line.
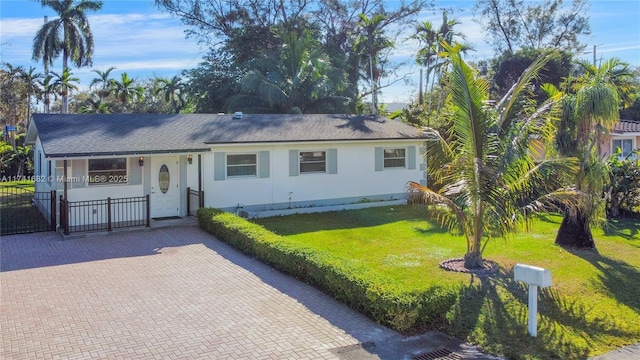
(147,165)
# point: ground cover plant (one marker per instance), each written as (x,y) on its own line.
(592,307)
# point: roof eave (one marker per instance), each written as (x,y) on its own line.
(127,153)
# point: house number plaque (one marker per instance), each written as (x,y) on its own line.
(164,179)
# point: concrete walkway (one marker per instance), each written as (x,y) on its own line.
(176,293)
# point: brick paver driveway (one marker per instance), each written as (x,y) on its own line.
(165,294)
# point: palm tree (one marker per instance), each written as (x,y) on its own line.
(369,44)
(126,89)
(428,55)
(31,81)
(173,91)
(490,182)
(63,86)
(70,35)
(47,90)
(425,33)
(95,105)
(103,81)
(300,79)
(590,110)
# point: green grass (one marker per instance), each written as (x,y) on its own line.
(592,307)
(17,215)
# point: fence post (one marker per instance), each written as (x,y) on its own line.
(64,215)
(109,214)
(148,211)
(188,201)
(54,209)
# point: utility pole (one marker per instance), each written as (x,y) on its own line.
(594,55)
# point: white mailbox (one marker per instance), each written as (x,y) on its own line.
(532,275)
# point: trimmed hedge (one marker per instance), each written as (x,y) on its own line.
(353,284)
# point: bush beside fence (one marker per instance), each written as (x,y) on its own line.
(350,283)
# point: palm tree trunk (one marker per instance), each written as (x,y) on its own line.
(65,99)
(575,232)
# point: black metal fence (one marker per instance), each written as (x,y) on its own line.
(195,200)
(23,210)
(104,214)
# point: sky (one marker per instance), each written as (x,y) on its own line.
(134,36)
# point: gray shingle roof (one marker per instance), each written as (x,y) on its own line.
(120,134)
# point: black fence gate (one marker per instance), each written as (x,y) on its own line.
(23,210)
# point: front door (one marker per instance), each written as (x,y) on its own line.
(165,187)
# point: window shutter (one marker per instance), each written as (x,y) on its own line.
(219,166)
(411,158)
(263,164)
(80,171)
(332,161)
(379,159)
(135,171)
(294,163)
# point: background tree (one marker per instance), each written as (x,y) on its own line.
(514,24)
(241,34)
(31,80)
(298,79)
(174,92)
(13,104)
(103,81)
(591,108)
(127,90)
(70,34)
(491,183)
(63,84)
(505,69)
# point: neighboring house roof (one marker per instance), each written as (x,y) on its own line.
(76,135)
(624,127)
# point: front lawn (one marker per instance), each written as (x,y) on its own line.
(592,307)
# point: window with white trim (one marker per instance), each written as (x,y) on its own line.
(626,145)
(394,158)
(108,171)
(242,165)
(313,162)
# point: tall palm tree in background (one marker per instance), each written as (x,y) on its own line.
(47,91)
(369,43)
(69,35)
(103,82)
(490,182)
(591,108)
(298,79)
(173,91)
(428,55)
(63,84)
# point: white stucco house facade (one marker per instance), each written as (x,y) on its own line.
(253,162)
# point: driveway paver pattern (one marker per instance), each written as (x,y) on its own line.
(170,293)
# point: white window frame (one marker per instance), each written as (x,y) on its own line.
(111,178)
(622,140)
(300,162)
(385,158)
(255,165)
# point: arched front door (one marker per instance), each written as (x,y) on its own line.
(165,187)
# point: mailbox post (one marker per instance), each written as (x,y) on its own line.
(534,277)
